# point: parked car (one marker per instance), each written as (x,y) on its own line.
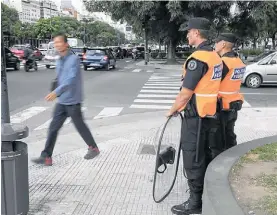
(261,56)
(12,61)
(43,48)
(37,53)
(262,72)
(18,50)
(78,51)
(50,58)
(99,58)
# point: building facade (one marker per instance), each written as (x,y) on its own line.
(30,11)
(48,9)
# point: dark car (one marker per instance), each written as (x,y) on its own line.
(78,51)
(99,58)
(12,61)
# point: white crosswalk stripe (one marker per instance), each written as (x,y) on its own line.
(38,118)
(136,70)
(160,92)
(39,65)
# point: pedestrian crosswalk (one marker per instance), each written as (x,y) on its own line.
(39,65)
(132,69)
(160,91)
(38,118)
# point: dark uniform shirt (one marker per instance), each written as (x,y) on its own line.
(196,69)
(225,67)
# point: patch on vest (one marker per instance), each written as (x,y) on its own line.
(192,65)
(217,73)
(238,73)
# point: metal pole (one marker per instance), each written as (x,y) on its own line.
(145,46)
(5,110)
(51,18)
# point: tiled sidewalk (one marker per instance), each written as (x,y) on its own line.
(120,180)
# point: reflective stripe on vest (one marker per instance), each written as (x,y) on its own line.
(230,85)
(206,91)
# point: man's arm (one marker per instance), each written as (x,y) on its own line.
(71,75)
(194,72)
(224,71)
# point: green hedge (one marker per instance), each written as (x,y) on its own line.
(248,52)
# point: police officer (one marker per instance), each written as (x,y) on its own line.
(233,70)
(198,98)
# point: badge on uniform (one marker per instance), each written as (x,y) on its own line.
(217,72)
(192,65)
(238,73)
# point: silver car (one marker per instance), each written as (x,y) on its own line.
(262,72)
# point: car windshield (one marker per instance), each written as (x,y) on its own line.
(261,56)
(43,46)
(77,49)
(95,52)
(266,59)
(52,52)
(18,47)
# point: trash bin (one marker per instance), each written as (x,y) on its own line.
(14,179)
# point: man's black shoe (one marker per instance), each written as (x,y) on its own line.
(192,206)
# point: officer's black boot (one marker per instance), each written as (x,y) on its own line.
(192,206)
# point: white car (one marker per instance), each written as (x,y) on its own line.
(262,72)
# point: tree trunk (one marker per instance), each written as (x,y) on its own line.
(171,52)
(273,41)
(254,43)
(160,47)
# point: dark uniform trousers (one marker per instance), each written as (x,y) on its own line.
(208,149)
(228,120)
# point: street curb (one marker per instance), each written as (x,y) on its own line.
(218,197)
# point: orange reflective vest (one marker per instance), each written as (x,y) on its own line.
(230,85)
(206,91)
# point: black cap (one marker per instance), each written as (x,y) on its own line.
(228,37)
(199,23)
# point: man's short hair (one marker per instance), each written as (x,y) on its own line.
(204,34)
(61,35)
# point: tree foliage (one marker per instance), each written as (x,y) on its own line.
(162,19)
(9,20)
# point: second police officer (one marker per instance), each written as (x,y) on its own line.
(229,92)
(198,98)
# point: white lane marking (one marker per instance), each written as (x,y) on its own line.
(154,101)
(128,61)
(160,91)
(150,107)
(136,70)
(108,112)
(161,87)
(163,78)
(26,114)
(162,84)
(271,94)
(155,96)
(128,67)
(47,123)
(149,71)
(246,104)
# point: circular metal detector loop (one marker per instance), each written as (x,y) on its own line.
(167,157)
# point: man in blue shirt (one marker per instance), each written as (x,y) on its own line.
(69,93)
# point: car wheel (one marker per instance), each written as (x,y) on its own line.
(114,66)
(107,67)
(36,66)
(48,66)
(85,68)
(17,66)
(254,81)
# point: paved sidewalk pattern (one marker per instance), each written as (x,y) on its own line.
(119,181)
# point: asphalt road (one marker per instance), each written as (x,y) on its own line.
(124,90)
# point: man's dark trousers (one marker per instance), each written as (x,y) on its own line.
(61,112)
(208,150)
(228,120)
